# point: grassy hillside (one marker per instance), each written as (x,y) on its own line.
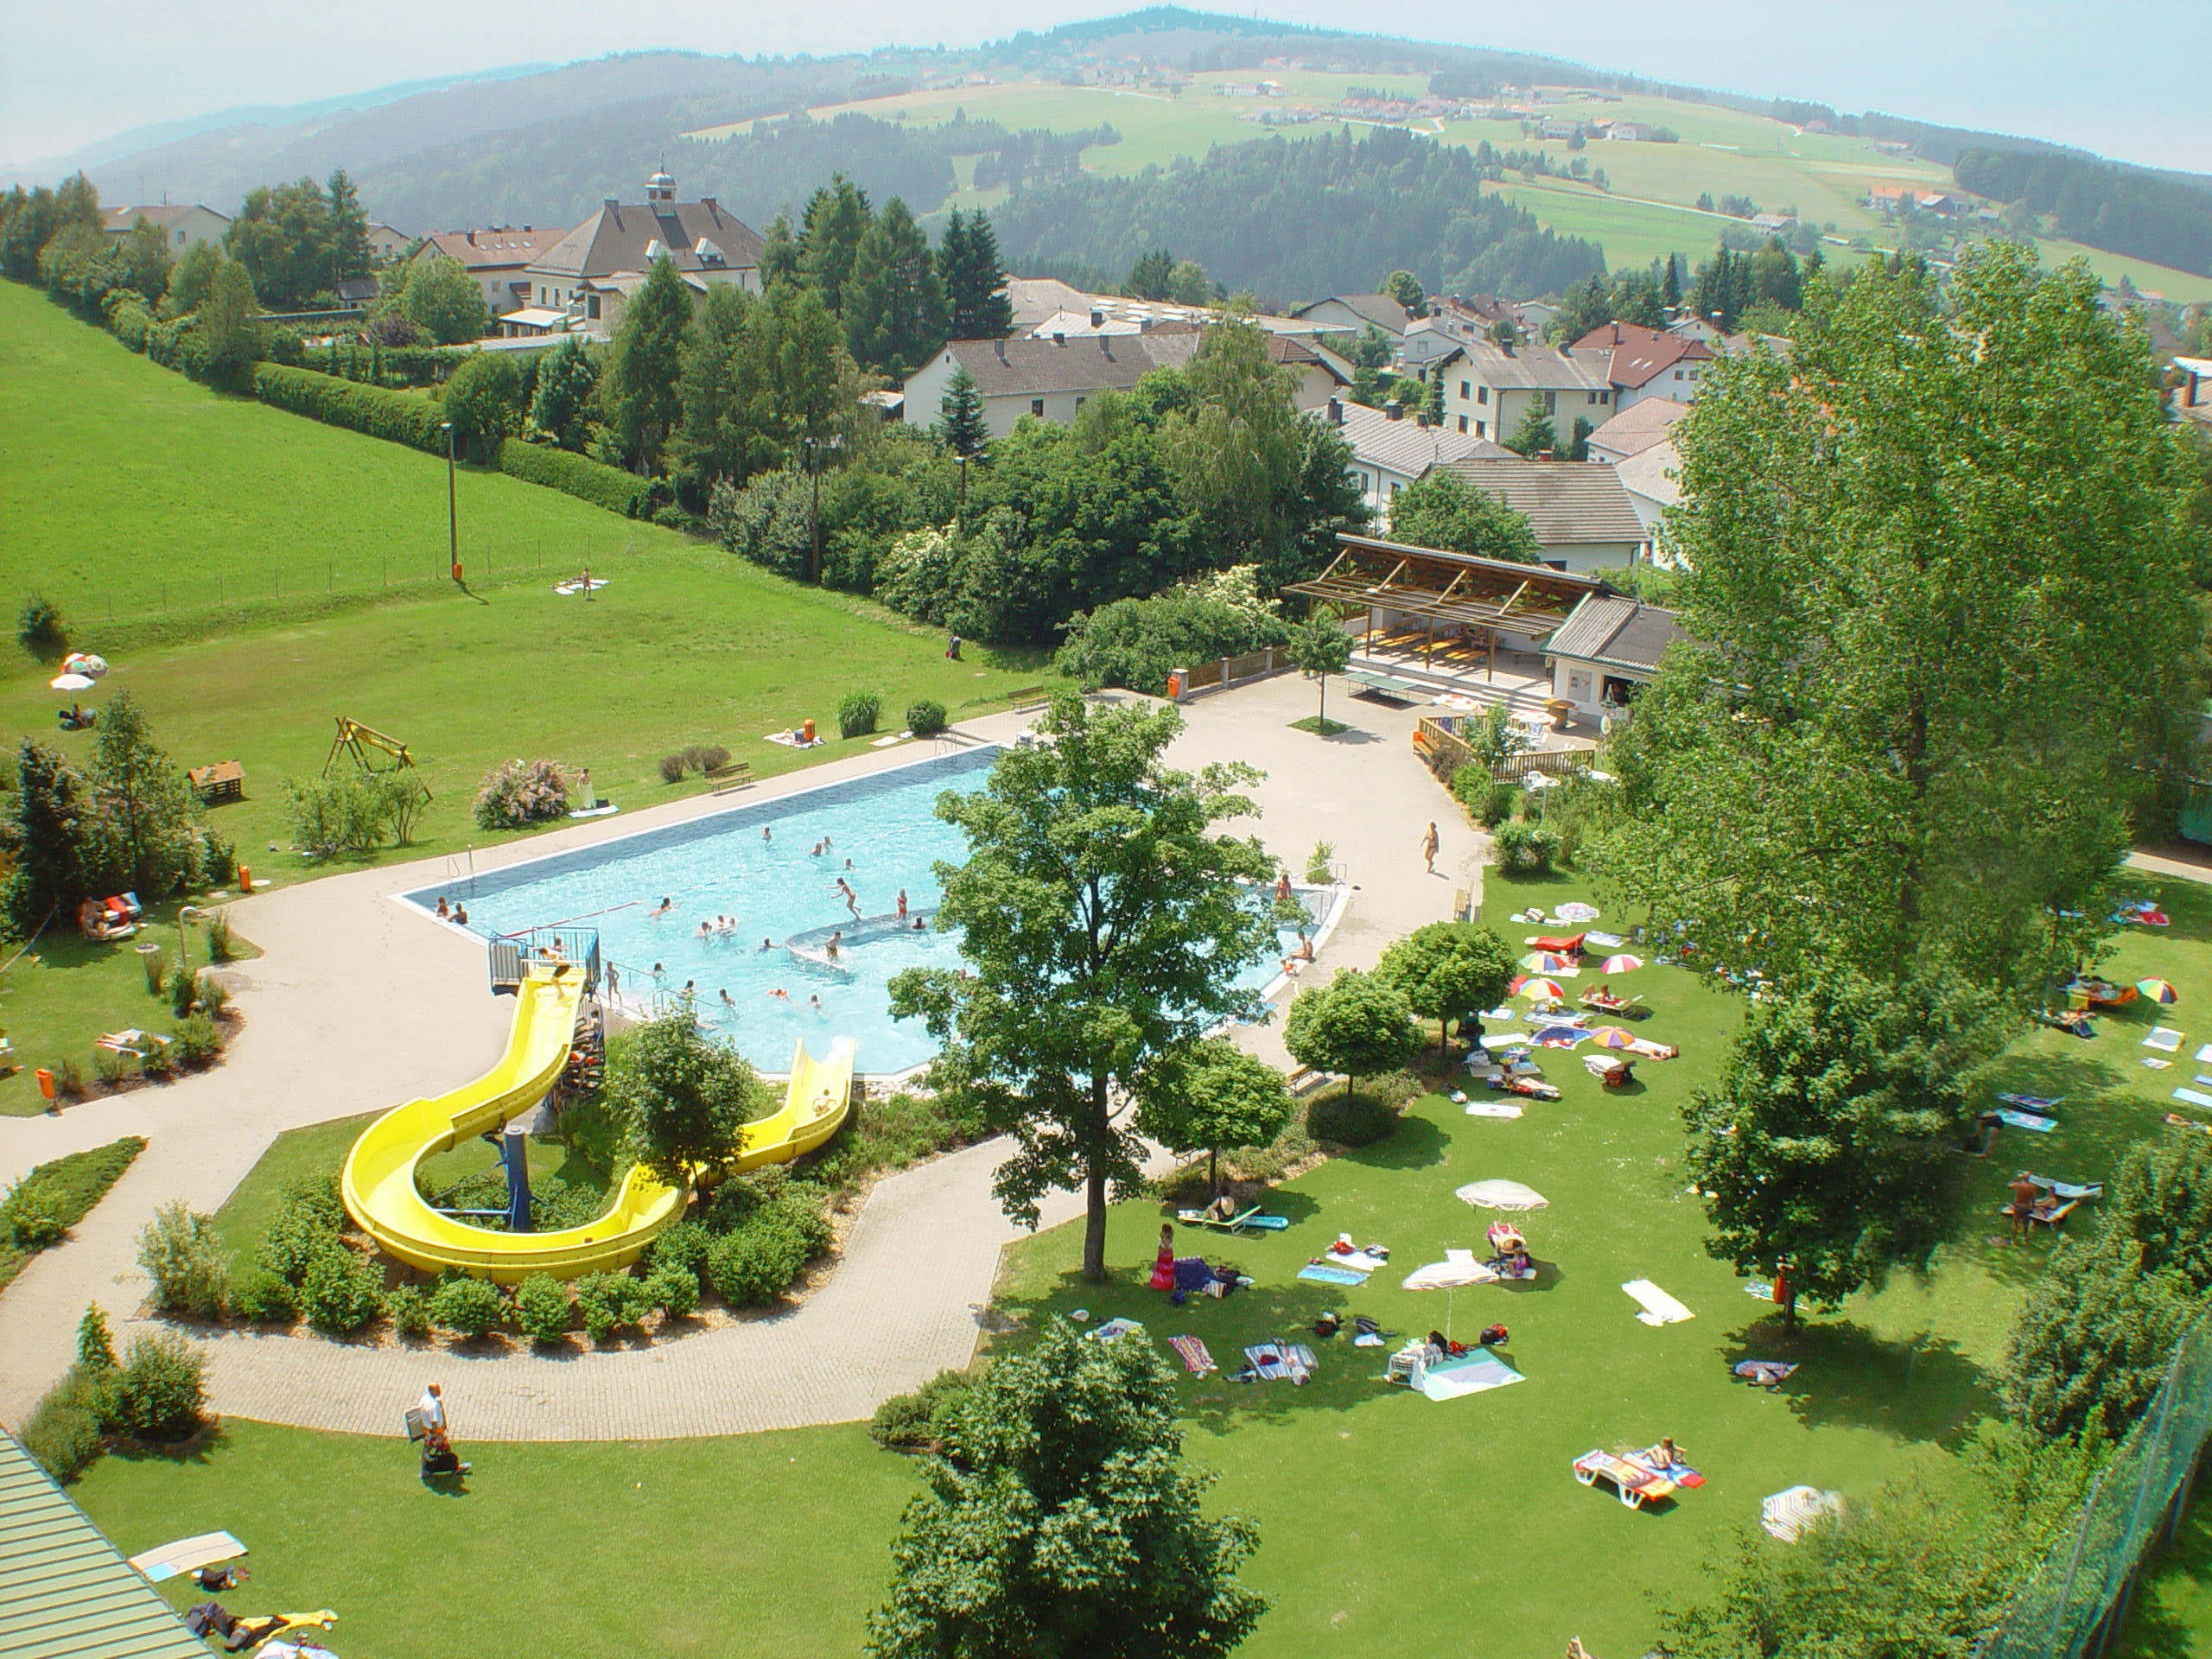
(128,486)
(1648,213)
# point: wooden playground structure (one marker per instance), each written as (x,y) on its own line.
(356,739)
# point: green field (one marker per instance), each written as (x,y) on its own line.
(1821,177)
(1379,1511)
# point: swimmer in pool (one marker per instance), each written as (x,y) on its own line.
(814,1002)
(768,832)
(705,928)
(767,944)
(727,1000)
(837,938)
(902,904)
(662,908)
(918,924)
(780,994)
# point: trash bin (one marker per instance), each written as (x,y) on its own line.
(46,1083)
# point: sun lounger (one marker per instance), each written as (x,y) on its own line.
(1251,1220)
(1636,1483)
(2069,1189)
(188,1555)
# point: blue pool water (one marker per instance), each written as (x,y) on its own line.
(778,891)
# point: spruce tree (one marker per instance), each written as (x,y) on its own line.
(1671,293)
(349,230)
(642,395)
(894,311)
(960,421)
(977,308)
(779,252)
(838,216)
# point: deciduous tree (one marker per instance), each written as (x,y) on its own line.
(1320,647)
(1209,1095)
(1062,1521)
(682,1098)
(1407,289)
(146,808)
(1442,510)
(641,392)
(230,323)
(1359,1024)
(1449,970)
(1105,924)
(484,400)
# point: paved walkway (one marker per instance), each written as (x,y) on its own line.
(359,1003)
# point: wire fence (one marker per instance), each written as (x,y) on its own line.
(2078,1599)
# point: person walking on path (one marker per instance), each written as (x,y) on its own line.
(438,1458)
(1429,843)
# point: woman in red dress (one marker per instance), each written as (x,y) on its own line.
(1163,1265)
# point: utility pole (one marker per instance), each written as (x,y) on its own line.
(814,559)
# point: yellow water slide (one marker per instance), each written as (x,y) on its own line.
(379,1183)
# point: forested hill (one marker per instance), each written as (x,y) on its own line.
(1292,218)
(2124,209)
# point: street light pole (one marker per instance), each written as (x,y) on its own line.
(453,519)
(183,952)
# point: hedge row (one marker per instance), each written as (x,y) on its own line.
(579,476)
(395,416)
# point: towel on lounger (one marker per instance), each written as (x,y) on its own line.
(1323,1272)
(2028,1120)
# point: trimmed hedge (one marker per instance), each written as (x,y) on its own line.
(395,416)
(579,476)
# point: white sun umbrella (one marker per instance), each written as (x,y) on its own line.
(84,662)
(1502,1195)
(71,682)
(1578,911)
(1459,1267)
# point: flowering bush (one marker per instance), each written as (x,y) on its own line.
(519,792)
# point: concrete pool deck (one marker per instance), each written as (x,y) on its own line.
(357,1004)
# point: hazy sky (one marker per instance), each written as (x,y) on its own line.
(2114,78)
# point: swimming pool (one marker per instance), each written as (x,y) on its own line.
(757,862)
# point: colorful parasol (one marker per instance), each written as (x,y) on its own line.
(1621,965)
(1529,985)
(2158,990)
(1546,962)
(1613,1037)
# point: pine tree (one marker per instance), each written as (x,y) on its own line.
(779,253)
(642,400)
(349,230)
(976,307)
(838,216)
(1671,293)
(894,312)
(566,381)
(1433,405)
(960,421)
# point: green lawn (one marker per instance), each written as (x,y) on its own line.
(70,1187)
(771,1544)
(65,990)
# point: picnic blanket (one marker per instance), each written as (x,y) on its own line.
(2193,1097)
(1277,1362)
(1492,1108)
(188,1555)
(1192,1352)
(1191,1273)
(1764,1373)
(1114,1328)
(1659,1308)
(1326,1273)
(1476,1374)
(1786,1514)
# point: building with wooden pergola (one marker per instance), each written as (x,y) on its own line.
(1451,605)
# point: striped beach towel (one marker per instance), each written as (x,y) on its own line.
(1192,1352)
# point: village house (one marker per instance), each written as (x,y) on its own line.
(587,272)
(182,224)
(1607,650)
(1489,389)
(386,244)
(1584,520)
(1354,314)
(1053,379)
(1635,430)
(496,258)
(1641,364)
(1391,450)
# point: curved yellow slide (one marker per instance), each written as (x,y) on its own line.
(380,1185)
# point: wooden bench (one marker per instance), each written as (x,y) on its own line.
(1376,684)
(1030,699)
(1306,1079)
(737,775)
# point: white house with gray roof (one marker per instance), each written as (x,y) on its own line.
(1585,522)
(1391,451)
(1606,650)
(1489,389)
(624,239)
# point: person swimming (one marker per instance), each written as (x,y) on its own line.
(705,928)
(767,944)
(836,940)
(768,832)
(728,1001)
(780,994)
(814,1002)
(902,904)
(664,907)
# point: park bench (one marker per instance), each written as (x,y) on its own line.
(731,775)
(1030,699)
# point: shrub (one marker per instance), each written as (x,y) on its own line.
(754,1266)
(889,1132)
(468,1307)
(69,1078)
(395,416)
(918,1422)
(926,718)
(307,1223)
(694,757)
(409,1308)
(111,1068)
(162,1389)
(856,713)
(39,629)
(713,758)
(1543,846)
(674,1291)
(671,768)
(683,1248)
(1321,864)
(183,1256)
(213,996)
(542,1309)
(1510,842)
(342,1293)
(520,792)
(352,812)
(261,1297)
(65,1431)
(95,1344)
(609,1301)
(578,475)
(30,1216)
(198,1040)
(1353,1119)
(1136,643)
(222,945)
(184,992)
(157,966)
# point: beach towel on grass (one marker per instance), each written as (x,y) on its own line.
(188,1555)
(1476,1374)
(1191,1273)
(1659,1308)
(1764,1373)
(1324,1273)
(2193,1096)
(2028,1120)
(1192,1352)
(1357,1260)
(2163,1038)
(1492,1108)
(2040,1104)
(1274,1362)
(1678,1471)
(1114,1328)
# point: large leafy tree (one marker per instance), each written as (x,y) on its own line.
(146,804)
(1939,577)
(1320,647)
(1105,924)
(1210,1094)
(1359,1024)
(567,378)
(60,840)
(1449,970)
(1443,511)
(1061,1521)
(1407,289)
(682,1099)
(191,280)
(230,322)
(285,237)
(641,393)
(436,294)
(1828,1149)
(974,280)
(484,399)
(894,308)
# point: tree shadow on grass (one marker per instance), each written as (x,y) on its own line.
(2157,1629)
(1416,1143)
(1923,1390)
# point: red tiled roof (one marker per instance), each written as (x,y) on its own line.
(1640,355)
(495,249)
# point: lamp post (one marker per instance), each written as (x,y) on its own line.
(453,519)
(814,559)
(183,953)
